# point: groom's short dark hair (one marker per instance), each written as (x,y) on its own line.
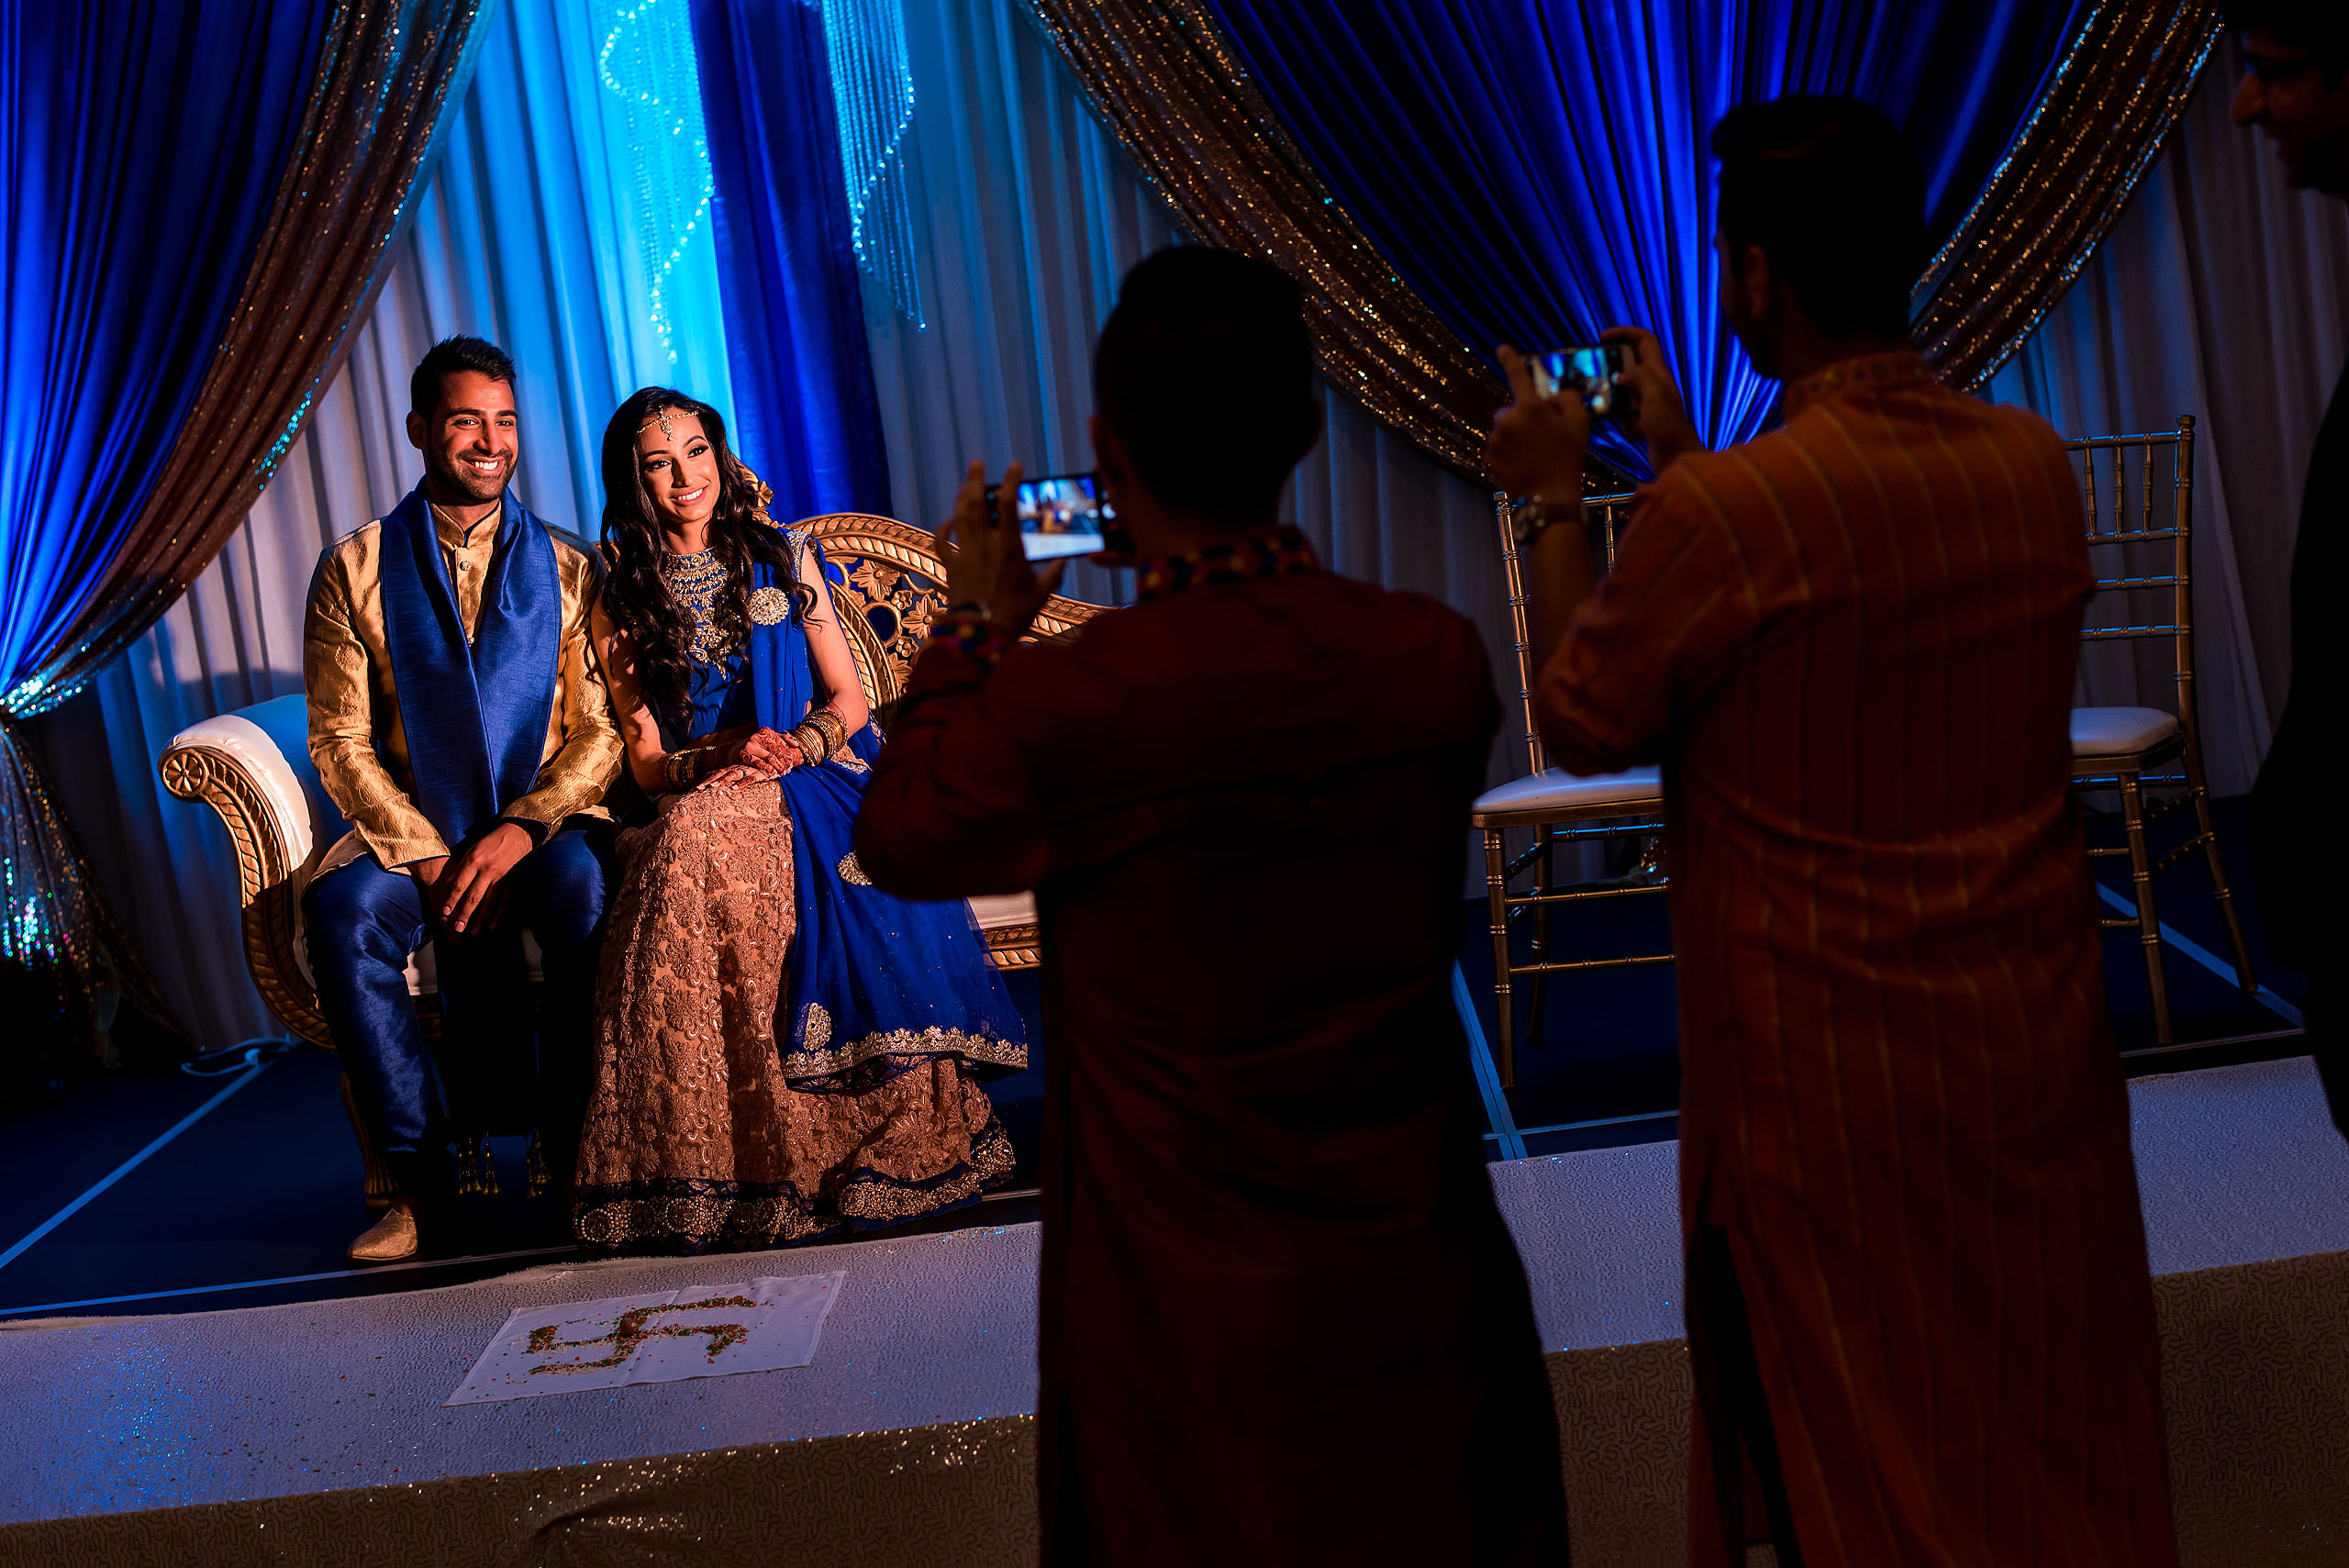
(1205,370)
(446,358)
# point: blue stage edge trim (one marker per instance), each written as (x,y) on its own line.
(287,1279)
(111,1177)
(1488,1080)
(2204,957)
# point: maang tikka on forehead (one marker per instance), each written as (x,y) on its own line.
(661,416)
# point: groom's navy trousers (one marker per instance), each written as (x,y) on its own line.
(364,921)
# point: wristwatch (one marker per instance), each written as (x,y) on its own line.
(1527,517)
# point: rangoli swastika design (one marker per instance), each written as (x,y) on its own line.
(630,1331)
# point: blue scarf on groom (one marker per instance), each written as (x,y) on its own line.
(476,714)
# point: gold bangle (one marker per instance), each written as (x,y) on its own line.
(833,728)
(810,741)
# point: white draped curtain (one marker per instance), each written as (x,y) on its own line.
(2218,294)
(1026,216)
(2223,293)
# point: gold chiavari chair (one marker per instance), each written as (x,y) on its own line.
(1562,809)
(2147,598)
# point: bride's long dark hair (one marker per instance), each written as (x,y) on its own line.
(638,600)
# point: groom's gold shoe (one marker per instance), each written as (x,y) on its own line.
(389,1240)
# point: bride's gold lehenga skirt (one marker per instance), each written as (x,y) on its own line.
(693,1140)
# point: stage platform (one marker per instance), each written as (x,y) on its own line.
(316,1433)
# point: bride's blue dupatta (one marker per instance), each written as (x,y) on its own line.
(874,982)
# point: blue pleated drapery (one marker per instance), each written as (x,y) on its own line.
(137,168)
(805,412)
(1538,171)
(129,137)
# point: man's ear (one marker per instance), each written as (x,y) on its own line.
(415,431)
(1109,459)
(1759,283)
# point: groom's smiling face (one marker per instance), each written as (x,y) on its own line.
(471,440)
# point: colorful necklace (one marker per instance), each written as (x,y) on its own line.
(694,581)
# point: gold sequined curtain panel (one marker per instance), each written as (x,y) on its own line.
(388,71)
(1163,79)
(2097,128)
(58,941)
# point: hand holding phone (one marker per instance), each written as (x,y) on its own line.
(1652,409)
(982,546)
(1060,515)
(1538,444)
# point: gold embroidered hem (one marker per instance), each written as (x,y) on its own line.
(694,1138)
(851,872)
(817,1059)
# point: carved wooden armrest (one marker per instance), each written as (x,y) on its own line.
(894,578)
(232,765)
(893,587)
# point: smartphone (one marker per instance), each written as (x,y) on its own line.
(1594,371)
(1062,514)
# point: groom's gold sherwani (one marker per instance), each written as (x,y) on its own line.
(356,738)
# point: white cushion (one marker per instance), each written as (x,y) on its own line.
(993,911)
(2118,732)
(1556,789)
(248,747)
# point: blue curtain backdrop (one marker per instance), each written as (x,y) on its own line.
(1538,171)
(534,227)
(805,412)
(138,162)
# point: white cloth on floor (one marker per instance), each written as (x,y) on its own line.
(694,1331)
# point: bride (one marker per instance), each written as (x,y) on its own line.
(782,1048)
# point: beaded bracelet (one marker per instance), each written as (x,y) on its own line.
(972,632)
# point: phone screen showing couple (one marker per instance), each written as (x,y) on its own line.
(1062,515)
(1591,372)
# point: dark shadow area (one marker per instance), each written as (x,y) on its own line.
(264,1189)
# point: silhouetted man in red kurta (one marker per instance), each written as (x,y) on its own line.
(1282,1322)
(1917,1292)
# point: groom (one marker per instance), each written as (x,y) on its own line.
(458,721)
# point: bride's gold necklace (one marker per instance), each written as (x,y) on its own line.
(694,581)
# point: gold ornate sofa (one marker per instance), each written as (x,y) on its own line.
(253,766)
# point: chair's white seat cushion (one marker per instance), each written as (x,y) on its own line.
(2118,732)
(1557,789)
(993,911)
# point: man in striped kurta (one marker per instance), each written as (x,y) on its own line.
(1918,1299)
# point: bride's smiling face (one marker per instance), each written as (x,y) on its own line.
(680,469)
